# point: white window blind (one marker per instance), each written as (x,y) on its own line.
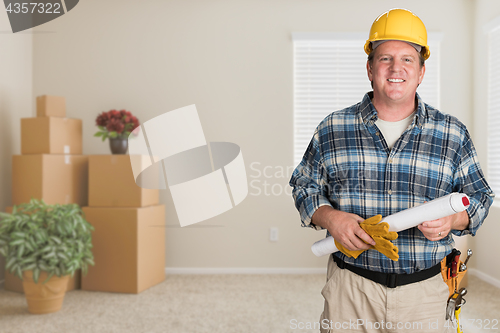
(330,74)
(494,109)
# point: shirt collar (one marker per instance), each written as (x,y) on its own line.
(369,113)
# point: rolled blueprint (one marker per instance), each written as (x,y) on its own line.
(408,218)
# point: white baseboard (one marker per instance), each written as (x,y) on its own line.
(242,270)
(485,277)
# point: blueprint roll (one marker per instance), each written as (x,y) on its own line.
(408,218)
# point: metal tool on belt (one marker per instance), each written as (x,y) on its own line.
(456,300)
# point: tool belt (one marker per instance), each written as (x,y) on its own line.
(453,271)
(390,280)
(447,272)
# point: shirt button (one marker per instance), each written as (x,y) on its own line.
(391,160)
(377,134)
(389,192)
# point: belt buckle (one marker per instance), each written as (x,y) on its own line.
(392,280)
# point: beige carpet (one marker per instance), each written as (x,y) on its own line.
(207,303)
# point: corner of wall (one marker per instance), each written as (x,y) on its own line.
(15,103)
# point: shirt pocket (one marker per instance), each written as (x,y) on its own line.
(430,178)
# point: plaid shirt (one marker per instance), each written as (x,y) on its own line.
(349,167)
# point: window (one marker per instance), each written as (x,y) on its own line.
(330,74)
(493,31)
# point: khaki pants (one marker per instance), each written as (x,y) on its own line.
(356,304)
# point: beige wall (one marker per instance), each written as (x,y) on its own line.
(15,102)
(233,59)
(486,244)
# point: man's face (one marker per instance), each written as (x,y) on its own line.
(395,72)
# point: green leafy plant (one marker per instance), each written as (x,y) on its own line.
(40,237)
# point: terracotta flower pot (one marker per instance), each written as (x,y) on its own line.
(44,298)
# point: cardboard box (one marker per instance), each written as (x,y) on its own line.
(50,106)
(128,248)
(59,179)
(51,135)
(14,283)
(112,184)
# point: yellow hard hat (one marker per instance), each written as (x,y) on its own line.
(399,24)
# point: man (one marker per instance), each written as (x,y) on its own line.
(388,153)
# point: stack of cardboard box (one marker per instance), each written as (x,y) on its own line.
(50,166)
(129,235)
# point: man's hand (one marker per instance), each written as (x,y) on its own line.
(440,228)
(344,228)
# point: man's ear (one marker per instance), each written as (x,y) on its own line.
(421,75)
(369,70)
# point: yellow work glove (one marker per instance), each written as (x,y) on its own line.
(380,234)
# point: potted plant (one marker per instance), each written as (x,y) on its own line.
(43,245)
(117,126)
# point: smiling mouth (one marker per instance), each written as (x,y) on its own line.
(396,80)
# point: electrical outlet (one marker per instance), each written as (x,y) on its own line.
(273,234)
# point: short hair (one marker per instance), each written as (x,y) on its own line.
(372,54)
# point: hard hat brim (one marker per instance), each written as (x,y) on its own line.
(426,53)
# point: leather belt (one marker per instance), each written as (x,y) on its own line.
(391,280)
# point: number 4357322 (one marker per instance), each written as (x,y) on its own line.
(34,7)
(485,324)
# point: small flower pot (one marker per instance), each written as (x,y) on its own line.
(44,297)
(118,145)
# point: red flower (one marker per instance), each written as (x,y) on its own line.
(125,113)
(115,114)
(116,122)
(135,121)
(115,125)
(102,119)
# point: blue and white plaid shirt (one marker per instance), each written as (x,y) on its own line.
(349,166)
